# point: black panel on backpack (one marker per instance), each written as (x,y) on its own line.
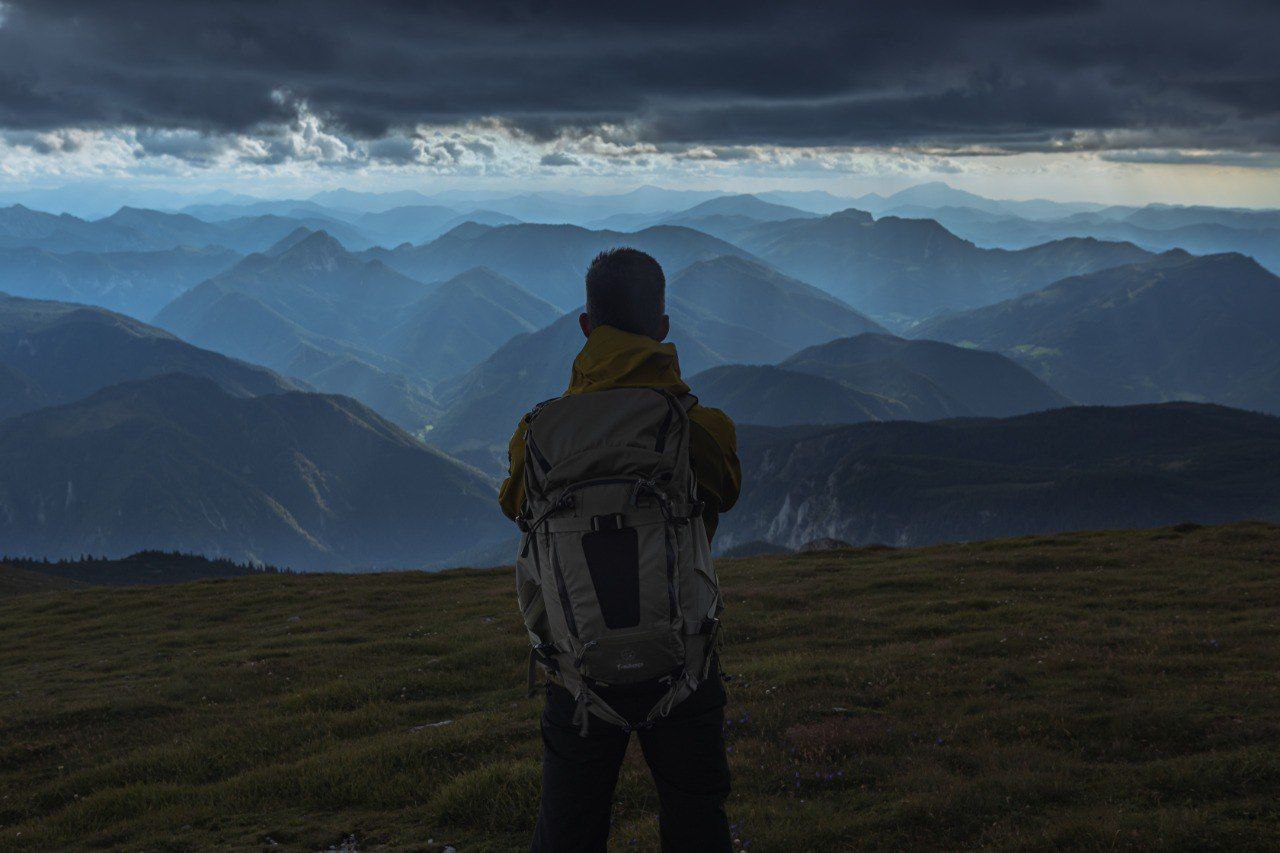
(613,558)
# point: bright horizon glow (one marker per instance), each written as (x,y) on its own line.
(1063,178)
(304,157)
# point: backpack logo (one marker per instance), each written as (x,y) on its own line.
(627,660)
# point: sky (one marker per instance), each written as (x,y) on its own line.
(1124,102)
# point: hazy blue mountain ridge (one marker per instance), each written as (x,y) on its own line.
(1176,328)
(905,483)
(876,377)
(176,463)
(57,352)
(549,261)
(135,283)
(902,270)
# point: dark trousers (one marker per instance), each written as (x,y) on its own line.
(685,754)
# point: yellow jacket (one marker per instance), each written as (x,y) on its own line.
(616,359)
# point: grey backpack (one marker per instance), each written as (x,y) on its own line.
(614,576)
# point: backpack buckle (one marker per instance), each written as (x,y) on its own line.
(612,521)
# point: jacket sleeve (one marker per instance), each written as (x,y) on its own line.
(713,452)
(511,496)
(528,584)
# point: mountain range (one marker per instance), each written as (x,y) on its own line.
(462,321)
(768,395)
(876,377)
(313,281)
(1179,327)
(135,283)
(294,479)
(416,224)
(21,226)
(1198,230)
(547,260)
(906,483)
(310,309)
(446,319)
(902,270)
(141,230)
(56,352)
(579,208)
(745,311)
(724,217)
(1013,224)
(936,194)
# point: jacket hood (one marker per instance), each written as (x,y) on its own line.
(613,358)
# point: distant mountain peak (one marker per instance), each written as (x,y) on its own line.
(1227,260)
(481,274)
(290,240)
(23,210)
(734,262)
(936,192)
(318,250)
(853,215)
(466,231)
(742,204)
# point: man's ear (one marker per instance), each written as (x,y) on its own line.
(664,327)
(584,323)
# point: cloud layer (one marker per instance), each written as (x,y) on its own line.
(463,85)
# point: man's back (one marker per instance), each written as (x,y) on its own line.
(594,543)
(616,359)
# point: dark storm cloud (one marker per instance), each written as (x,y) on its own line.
(192,146)
(1013,76)
(557,159)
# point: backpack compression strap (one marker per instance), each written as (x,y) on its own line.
(589,702)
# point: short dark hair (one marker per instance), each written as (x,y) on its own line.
(627,290)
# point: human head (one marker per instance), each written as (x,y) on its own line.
(627,290)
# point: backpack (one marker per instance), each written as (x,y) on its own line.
(614,576)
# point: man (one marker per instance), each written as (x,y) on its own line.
(625,324)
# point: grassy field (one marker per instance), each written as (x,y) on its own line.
(1087,690)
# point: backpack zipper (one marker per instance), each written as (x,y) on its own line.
(599,481)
